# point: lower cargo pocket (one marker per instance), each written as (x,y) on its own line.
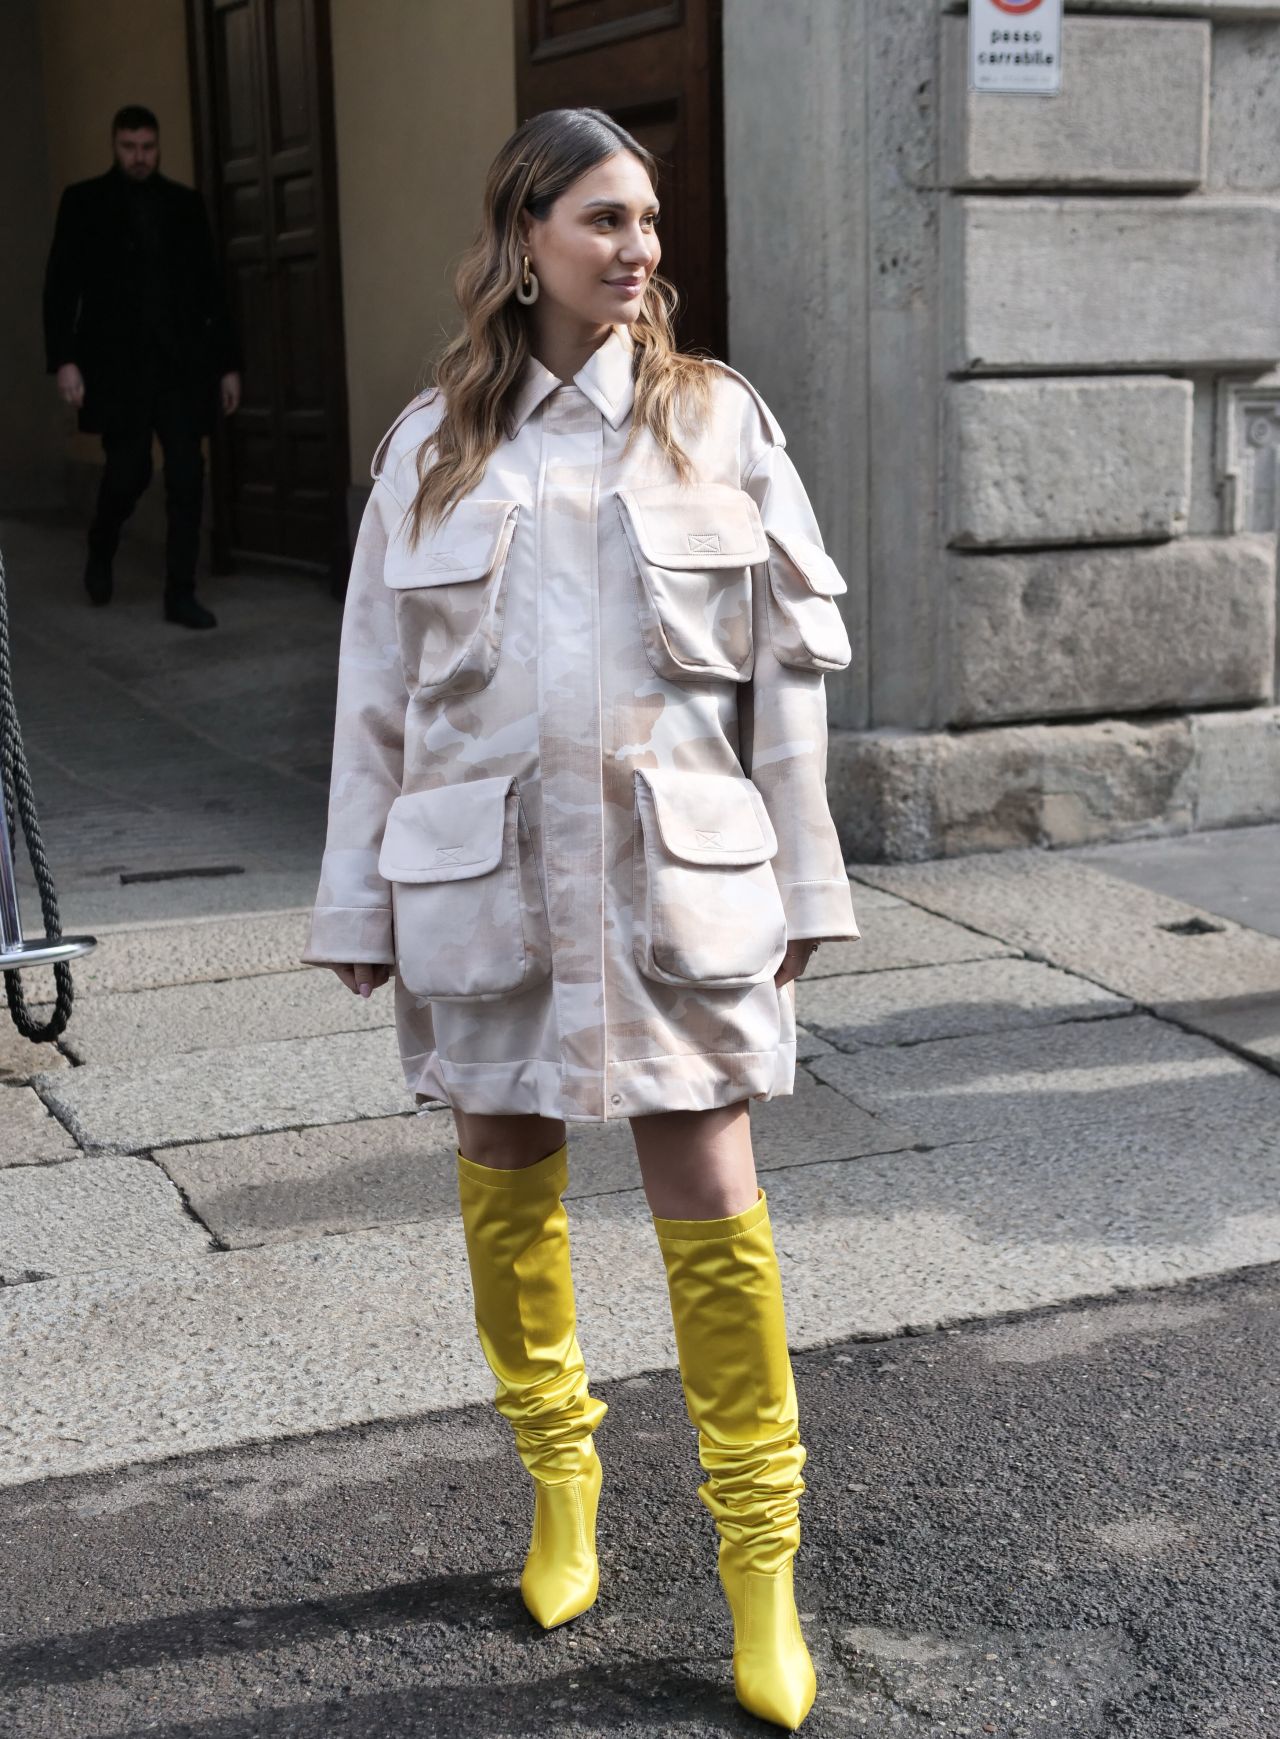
(706,905)
(467,903)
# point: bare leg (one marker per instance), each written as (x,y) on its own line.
(696,1165)
(507,1143)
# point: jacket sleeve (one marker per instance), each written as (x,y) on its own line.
(63,283)
(351,920)
(798,635)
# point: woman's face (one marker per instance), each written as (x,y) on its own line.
(596,249)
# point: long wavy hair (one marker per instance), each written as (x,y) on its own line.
(479,372)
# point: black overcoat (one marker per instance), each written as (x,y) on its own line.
(133,295)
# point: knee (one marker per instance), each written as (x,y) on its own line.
(507,1143)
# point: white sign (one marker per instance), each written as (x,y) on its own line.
(1015,45)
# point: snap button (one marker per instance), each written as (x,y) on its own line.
(616,1099)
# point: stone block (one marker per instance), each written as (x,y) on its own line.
(1185,964)
(241,1090)
(20,1058)
(935,1002)
(1218,11)
(1022,460)
(300,1183)
(193,950)
(1132,111)
(87,1214)
(902,937)
(1237,767)
(123,1027)
(29,1133)
(1074,282)
(1188,623)
(1244,150)
(902,798)
(1112,1075)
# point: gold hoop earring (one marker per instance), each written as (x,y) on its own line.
(528,287)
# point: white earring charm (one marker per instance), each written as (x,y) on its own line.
(528,287)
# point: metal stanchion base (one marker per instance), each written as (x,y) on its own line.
(40,951)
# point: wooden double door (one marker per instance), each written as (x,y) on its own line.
(263,88)
(262,81)
(656,68)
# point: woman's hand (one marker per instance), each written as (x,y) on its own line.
(363,977)
(794,961)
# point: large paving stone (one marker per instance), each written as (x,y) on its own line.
(300,1183)
(869,899)
(935,1002)
(87,1214)
(192,950)
(124,1027)
(247,1346)
(1095,1076)
(902,936)
(29,1132)
(1132,110)
(1023,466)
(1108,284)
(900,796)
(242,1090)
(1070,631)
(1203,971)
(20,1058)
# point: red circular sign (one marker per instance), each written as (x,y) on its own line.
(1016,5)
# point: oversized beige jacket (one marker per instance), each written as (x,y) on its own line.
(578,797)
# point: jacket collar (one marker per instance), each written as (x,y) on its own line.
(605,378)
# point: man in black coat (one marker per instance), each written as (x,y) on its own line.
(138,333)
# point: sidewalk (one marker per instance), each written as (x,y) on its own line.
(1036,1081)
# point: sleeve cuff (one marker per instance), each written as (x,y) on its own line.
(343,935)
(819,909)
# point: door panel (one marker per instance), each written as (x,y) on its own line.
(263,80)
(656,70)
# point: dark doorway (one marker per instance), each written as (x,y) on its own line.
(657,70)
(262,87)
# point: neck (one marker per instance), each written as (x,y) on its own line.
(561,342)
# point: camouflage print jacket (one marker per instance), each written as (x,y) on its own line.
(578,798)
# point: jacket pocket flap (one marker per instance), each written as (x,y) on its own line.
(472,541)
(815,566)
(445,834)
(709,817)
(708,526)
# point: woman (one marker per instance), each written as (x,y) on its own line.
(578,804)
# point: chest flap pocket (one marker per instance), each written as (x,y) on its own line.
(693,549)
(451,596)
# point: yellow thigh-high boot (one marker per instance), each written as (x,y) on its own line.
(517,1234)
(726,1305)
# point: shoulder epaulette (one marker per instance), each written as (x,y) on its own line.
(423,398)
(771,422)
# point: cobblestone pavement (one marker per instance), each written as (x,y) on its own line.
(254,1481)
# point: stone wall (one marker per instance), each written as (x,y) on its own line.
(1068,445)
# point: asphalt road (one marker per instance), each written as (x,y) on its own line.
(1055,1527)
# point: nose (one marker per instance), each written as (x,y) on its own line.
(637,248)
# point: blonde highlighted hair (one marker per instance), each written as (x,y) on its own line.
(478,375)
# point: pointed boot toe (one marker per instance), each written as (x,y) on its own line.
(773,1674)
(561,1575)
